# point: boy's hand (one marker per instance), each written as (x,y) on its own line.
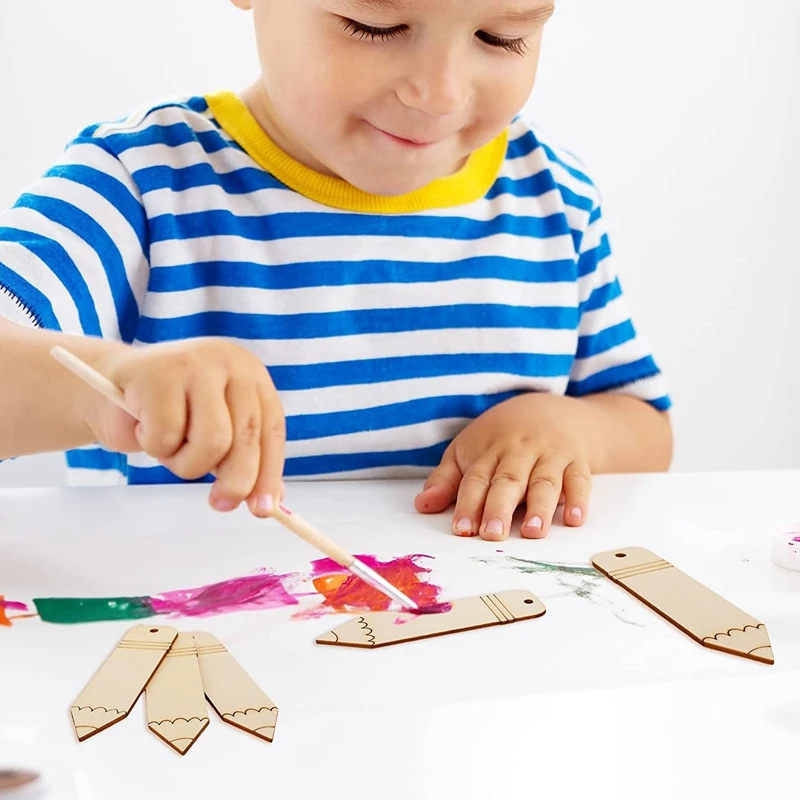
(529,449)
(204,406)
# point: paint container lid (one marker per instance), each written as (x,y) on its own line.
(786,546)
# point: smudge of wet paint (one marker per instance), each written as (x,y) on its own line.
(251,593)
(9,605)
(12,605)
(265,590)
(580,581)
(345,593)
(77,610)
(342,592)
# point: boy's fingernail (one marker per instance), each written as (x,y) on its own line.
(495,527)
(265,504)
(464,527)
(534,522)
(221,504)
(576,513)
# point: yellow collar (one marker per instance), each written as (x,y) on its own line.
(469,184)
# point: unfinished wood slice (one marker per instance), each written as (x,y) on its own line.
(383,628)
(113,691)
(233,694)
(176,706)
(689,605)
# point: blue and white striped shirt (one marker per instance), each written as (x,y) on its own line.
(387,324)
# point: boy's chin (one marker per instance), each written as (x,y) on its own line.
(391,186)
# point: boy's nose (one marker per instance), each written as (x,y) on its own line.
(437,84)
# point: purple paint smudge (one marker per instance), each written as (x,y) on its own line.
(251,593)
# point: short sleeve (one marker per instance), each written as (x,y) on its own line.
(612,356)
(74,249)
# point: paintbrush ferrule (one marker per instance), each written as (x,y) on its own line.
(361,570)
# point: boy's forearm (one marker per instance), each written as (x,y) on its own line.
(43,406)
(627,434)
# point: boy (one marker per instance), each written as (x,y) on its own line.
(427,282)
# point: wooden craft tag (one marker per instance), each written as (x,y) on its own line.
(705,616)
(176,704)
(113,691)
(388,627)
(233,694)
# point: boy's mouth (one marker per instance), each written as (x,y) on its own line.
(408,142)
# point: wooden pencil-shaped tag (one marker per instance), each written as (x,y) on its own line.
(233,694)
(113,691)
(705,616)
(176,704)
(388,627)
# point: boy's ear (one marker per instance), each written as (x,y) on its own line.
(245,5)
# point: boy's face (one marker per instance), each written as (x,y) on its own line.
(392,94)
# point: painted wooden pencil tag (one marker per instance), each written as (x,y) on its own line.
(233,694)
(113,691)
(702,614)
(387,627)
(176,705)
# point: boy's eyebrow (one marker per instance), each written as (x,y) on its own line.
(540,12)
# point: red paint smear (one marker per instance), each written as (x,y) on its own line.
(252,593)
(345,593)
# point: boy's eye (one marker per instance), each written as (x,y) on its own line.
(518,46)
(362,31)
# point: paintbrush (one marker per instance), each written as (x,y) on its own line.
(289,520)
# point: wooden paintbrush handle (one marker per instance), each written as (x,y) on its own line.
(90,376)
(316,538)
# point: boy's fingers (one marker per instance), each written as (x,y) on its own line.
(163,417)
(209,434)
(269,487)
(441,487)
(544,490)
(577,488)
(237,473)
(471,497)
(506,491)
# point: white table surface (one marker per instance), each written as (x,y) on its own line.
(569,706)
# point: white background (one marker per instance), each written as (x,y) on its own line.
(687,114)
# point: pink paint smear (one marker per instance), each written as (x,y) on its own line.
(251,593)
(13,605)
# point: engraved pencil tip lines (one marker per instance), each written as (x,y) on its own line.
(260,722)
(88,720)
(368,632)
(180,733)
(751,641)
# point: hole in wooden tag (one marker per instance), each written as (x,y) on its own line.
(621,555)
(528,601)
(153,630)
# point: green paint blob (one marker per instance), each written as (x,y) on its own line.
(74,610)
